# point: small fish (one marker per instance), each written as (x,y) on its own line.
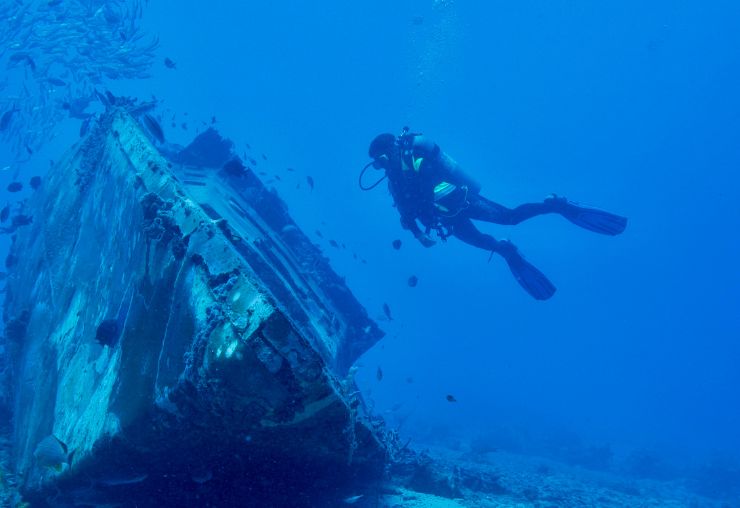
(290,169)
(85,126)
(277,177)
(5,213)
(21,220)
(396,244)
(169,63)
(451,398)
(184,126)
(264,157)
(23,56)
(310,182)
(35,182)
(379,374)
(202,476)
(252,161)
(7,117)
(334,244)
(413,281)
(52,453)
(104,100)
(15,186)
(119,480)
(213,120)
(56,82)
(153,127)
(387,311)
(318,233)
(409,380)
(352,499)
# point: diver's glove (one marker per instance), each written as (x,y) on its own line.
(424,239)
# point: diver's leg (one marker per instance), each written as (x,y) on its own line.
(529,277)
(464,230)
(484,209)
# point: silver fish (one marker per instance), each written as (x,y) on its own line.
(51,452)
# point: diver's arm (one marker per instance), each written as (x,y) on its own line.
(410,224)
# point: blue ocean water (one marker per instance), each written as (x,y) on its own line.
(629,106)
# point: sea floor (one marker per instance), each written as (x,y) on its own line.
(500,479)
(525,481)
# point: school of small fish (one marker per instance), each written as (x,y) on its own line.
(54,55)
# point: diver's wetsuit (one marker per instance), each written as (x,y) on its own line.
(420,168)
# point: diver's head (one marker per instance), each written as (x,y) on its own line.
(382,149)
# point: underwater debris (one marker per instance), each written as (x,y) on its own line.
(413,281)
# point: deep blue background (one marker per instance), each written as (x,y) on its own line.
(630,106)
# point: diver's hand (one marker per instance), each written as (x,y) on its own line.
(425,240)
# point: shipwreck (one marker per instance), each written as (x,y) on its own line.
(171,325)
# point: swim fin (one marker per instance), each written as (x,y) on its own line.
(530,278)
(588,217)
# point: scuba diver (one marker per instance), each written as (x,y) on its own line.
(428,186)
